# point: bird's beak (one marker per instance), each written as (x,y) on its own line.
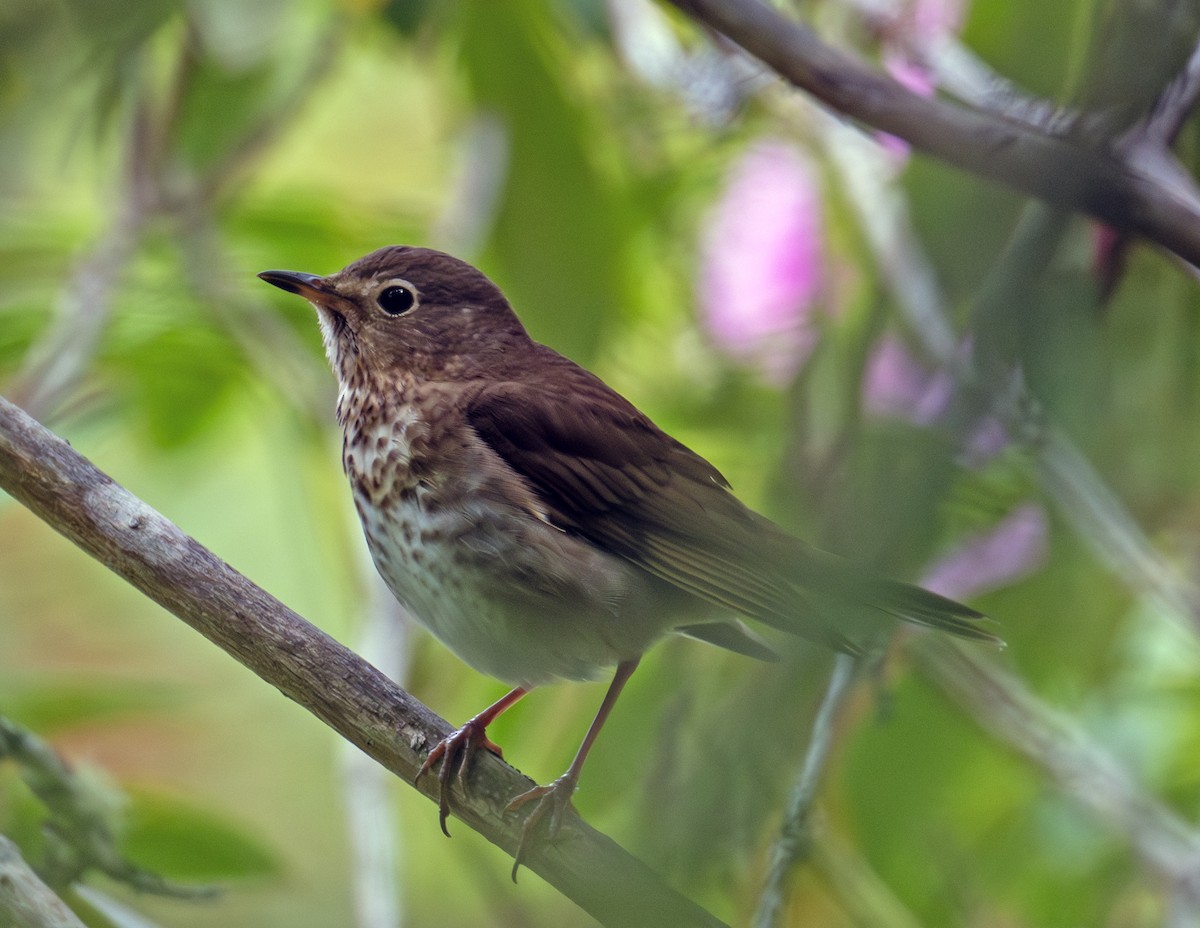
(309,286)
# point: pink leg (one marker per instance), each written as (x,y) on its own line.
(556,797)
(456,751)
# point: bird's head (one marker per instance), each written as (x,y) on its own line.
(408,309)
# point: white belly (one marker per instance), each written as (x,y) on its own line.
(525,606)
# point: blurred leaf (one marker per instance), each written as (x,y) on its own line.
(886,510)
(558,241)
(1061,348)
(222,106)
(48,707)
(19,326)
(178,379)
(114,28)
(407,16)
(186,842)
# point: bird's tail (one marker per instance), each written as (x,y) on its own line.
(849,601)
(923,607)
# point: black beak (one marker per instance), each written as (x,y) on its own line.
(305,285)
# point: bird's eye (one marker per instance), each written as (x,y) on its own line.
(396,301)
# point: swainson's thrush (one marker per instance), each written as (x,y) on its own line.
(539,524)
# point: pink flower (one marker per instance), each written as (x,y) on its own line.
(933,20)
(1014,549)
(895,384)
(763,261)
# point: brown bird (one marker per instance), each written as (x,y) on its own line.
(539,524)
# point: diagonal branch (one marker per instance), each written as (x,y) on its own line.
(67,491)
(1082,769)
(25,901)
(1059,170)
(795,841)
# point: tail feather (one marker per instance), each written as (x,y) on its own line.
(835,578)
(922,607)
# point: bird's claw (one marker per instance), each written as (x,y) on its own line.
(554,799)
(455,752)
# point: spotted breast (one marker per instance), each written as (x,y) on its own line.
(516,597)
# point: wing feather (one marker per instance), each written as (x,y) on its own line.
(606,472)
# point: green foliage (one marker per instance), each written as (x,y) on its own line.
(222,139)
(189,843)
(562,209)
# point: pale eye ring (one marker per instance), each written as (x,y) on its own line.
(396,300)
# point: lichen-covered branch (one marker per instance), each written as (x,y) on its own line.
(25,901)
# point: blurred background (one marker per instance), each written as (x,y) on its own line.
(842,326)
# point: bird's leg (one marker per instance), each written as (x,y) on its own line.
(556,797)
(456,750)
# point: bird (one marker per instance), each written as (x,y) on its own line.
(539,524)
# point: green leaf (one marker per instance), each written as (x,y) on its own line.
(184,841)
(51,706)
(179,378)
(557,247)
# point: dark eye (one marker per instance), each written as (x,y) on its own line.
(396,301)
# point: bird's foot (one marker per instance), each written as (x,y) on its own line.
(553,800)
(455,752)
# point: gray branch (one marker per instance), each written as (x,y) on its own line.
(795,839)
(1081,768)
(1061,170)
(25,901)
(68,492)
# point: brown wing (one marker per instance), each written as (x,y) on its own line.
(606,472)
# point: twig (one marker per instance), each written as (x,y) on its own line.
(1174,105)
(882,212)
(960,72)
(1083,770)
(795,839)
(25,901)
(57,484)
(273,348)
(1059,170)
(78,821)
(1068,478)
(57,362)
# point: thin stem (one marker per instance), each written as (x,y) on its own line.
(795,839)
(25,901)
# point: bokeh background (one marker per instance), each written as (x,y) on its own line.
(793,297)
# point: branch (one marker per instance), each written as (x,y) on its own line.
(795,839)
(1059,170)
(25,901)
(1082,769)
(78,830)
(67,491)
